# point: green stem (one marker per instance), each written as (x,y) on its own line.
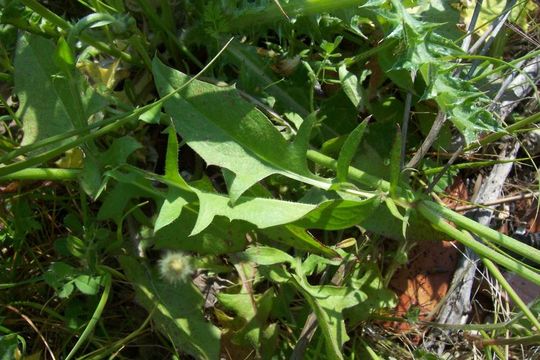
(354,173)
(57,138)
(8,169)
(525,340)
(100,353)
(51,174)
(473,165)
(508,130)
(23,282)
(439,223)
(511,292)
(95,317)
(484,232)
(498,69)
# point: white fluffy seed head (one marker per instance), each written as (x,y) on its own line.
(175,267)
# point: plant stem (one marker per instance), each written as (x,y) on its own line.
(354,173)
(120,121)
(511,292)
(508,130)
(470,165)
(52,174)
(95,317)
(439,223)
(482,231)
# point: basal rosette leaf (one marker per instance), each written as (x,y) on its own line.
(54,97)
(227,131)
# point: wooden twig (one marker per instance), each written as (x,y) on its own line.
(428,141)
(34,327)
(504,200)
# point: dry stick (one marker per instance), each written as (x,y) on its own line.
(438,177)
(458,301)
(497,26)
(428,141)
(496,202)
(33,326)
(472,25)
(441,118)
(494,25)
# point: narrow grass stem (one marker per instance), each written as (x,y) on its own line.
(525,340)
(498,69)
(94,319)
(470,165)
(496,273)
(39,159)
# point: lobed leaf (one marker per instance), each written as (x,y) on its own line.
(227,131)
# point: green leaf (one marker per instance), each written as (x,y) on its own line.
(330,47)
(463,103)
(418,44)
(119,151)
(339,214)
(152,116)
(75,246)
(64,57)
(88,285)
(60,276)
(171,208)
(261,212)
(227,131)
(350,85)
(391,205)
(328,303)
(171,159)
(9,347)
(348,151)
(61,102)
(296,237)
(175,200)
(253,310)
(176,310)
(221,237)
(265,255)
